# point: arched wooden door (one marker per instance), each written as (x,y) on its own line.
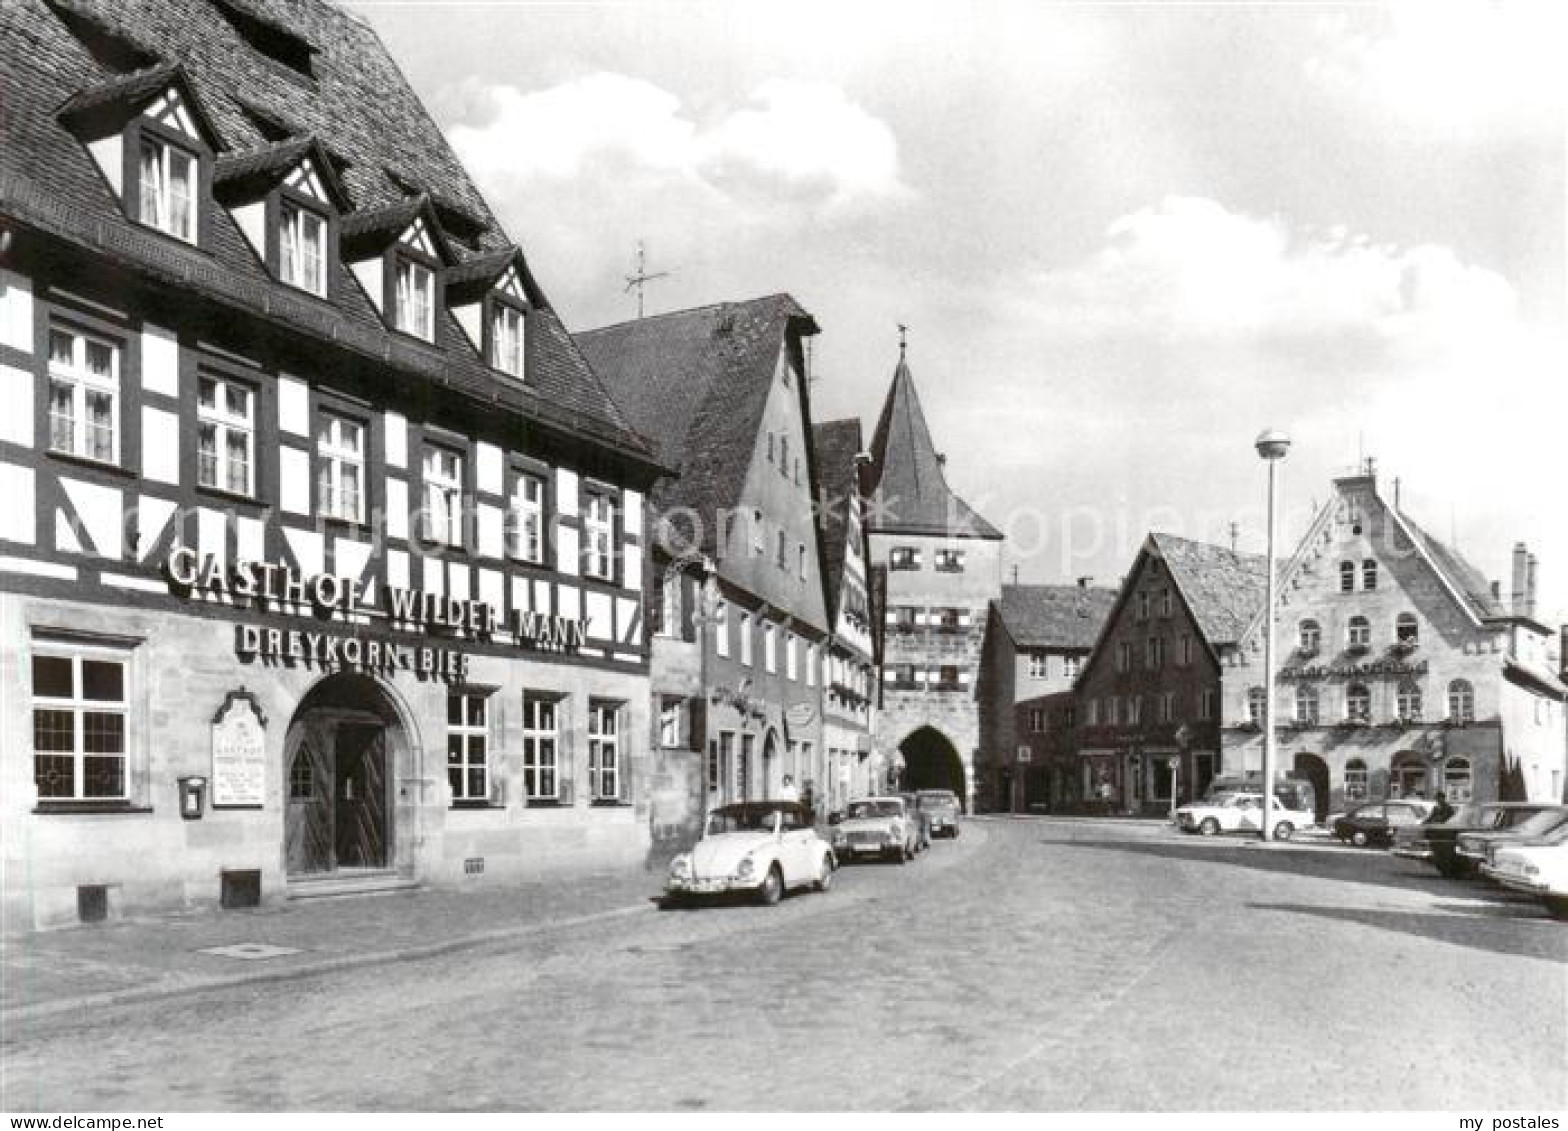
(308,833)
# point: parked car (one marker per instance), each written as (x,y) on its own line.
(1538,866)
(876,826)
(1376,821)
(1241,812)
(761,848)
(1437,844)
(1475,846)
(922,821)
(943,807)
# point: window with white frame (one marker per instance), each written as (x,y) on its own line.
(1410,700)
(745,639)
(1143,605)
(1186,651)
(759,534)
(340,468)
(604,750)
(1355,780)
(1135,709)
(167,199)
(541,746)
(84,394)
(506,338)
(1307,705)
(1167,706)
(791,665)
(1113,710)
(525,519)
(1461,701)
(1092,713)
(1037,720)
(1037,664)
(1359,634)
(225,434)
(1358,703)
(443,496)
(811,665)
(302,248)
(903,557)
(1309,636)
(1154,654)
(1369,574)
(599,535)
(414,299)
(467,745)
(1347,577)
(80,707)
(770,660)
(1257,700)
(1165,602)
(1124,656)
(1071,665)
(721,627)
(950,561)
(672,714)
(1206,704)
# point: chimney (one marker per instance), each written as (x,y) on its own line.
(1521,567)
(1529,587)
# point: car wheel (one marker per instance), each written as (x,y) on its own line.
(772,889)
(1358,838)
(1557,905)
(1209,826)
(825,873)
(1284,830)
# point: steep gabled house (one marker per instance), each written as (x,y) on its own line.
(1037,638)
(1402,670)
(320,564)
(1148,698)
(739,638)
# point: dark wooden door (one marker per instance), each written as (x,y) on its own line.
(308,825)
(360,796)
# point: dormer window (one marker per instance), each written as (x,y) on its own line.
(302,248)
(414,299)
(167,188)
(506,338)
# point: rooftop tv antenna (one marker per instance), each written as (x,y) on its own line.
(642,276)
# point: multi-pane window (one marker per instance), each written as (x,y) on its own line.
(302,248)
(1461,701)
(598,535)
(506,338)
(1037,720)
(1186,651)
(541,741)
(525,519)
(1037,665)
(1165,602)
(1407,630)
(1355,780)
(467,745)
(414,300)
(1124,657)
(1070,666)
(1154,655)
(225,435)
(903,557)
(604,750)
(1347,577)
(1143,606)
(340,468)
(1360,633)
(1358,703)
(950,561)
(168,189)
(444,496)
(1134,709)
(84,390)
(671,717)
(1310,636)
(1257,700)
(79,725)
(1369,574)
(1458,785)
(1167,706)
(1409,699)
(1307,705)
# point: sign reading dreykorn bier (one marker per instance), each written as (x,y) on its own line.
(413,610)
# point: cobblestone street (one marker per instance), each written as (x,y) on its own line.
(1032,964)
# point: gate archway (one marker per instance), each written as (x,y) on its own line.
(1314,770)
(932,762)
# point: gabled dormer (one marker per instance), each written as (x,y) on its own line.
(491,298)
(399,254)
(287,200)
(155,146)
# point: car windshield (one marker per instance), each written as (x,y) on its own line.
(860,810)
(1543,822)
(744,820)
(938,801)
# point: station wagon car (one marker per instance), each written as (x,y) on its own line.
(758,848)
(1241,813)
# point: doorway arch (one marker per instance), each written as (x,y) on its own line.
(931,761)
(345,748)
(1314,771)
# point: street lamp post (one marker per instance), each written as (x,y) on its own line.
(1272,445)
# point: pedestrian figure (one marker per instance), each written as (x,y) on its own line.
(1442,811)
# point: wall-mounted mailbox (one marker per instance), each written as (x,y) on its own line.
(193,797)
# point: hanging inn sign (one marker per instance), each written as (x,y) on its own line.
(280,588)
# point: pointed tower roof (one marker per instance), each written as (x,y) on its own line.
(909,492)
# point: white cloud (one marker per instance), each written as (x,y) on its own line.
(1462,67)
(798,141)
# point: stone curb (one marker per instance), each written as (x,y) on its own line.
(307,969)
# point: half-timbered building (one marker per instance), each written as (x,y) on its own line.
(321,549)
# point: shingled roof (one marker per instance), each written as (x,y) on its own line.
(1054,616)
(353,98)
(696,382)
(836,444)
(1224,588)
(1467,580)
(910,494)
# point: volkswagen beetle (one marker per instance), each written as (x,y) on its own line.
(756,848)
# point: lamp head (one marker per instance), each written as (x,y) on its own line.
(1272,444)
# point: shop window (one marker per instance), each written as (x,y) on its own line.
(1355,780)
(443,477)
(302,248)
(84,394)
(1257,699)
(340,468)
(1369,574)
(1359,633)
(1407,631)
(1461,701)
(604,750)
(1407,777)
(225,435)
(541,741)
(80,707)
(525,519)
(506,338)
(1347,577)
(1309,637)
(1358,703)
(467,745)
(599,535)
(1037,665)
(1410,700)
(414,299)
(1307,705)
(1458,783)
(167,185)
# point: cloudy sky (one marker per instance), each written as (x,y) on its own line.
(1125,237)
